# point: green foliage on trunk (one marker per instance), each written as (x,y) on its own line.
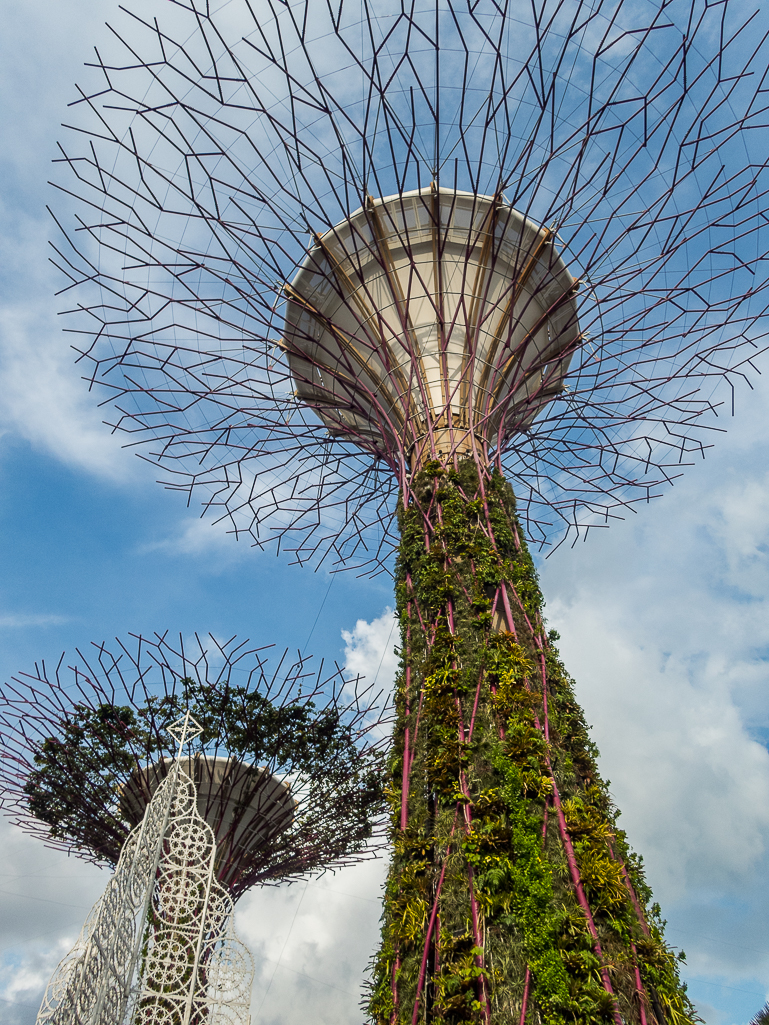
(483,790)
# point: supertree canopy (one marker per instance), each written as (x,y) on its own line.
(216,146)
(343,266)
(287,767)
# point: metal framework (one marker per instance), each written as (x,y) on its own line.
(216,145)
(432,324)
(287,769)
(322,255)
(159,945)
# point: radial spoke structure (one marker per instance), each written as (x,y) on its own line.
(220,147)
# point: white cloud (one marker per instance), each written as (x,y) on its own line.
(194,535)
(11,620)
(45,899)
(370,650)
(692,782)
(44,400)
(312,943)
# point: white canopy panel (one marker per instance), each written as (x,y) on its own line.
(430,319)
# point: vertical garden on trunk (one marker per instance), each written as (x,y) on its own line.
(512,894)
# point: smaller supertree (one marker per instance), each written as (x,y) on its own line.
(83,748)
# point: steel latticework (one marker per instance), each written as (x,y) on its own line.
(159,945)
(216,147)
(344,267)
(287,767)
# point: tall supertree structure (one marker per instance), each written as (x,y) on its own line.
(375,277)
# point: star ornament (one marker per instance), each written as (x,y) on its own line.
(184,730)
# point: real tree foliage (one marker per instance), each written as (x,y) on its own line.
(337,780)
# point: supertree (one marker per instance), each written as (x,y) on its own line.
(342,267)
(282,777)
(286,765)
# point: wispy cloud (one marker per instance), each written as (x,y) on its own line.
(11,620)
(370,650)
(44,401)
(201,536)
(46,897)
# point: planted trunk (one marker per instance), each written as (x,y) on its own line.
(512,895)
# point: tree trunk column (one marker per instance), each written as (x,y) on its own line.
(512,895)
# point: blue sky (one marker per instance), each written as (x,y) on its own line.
(663,619)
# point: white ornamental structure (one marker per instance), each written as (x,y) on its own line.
(158,946)
(245,805)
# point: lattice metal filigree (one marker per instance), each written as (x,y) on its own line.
(159,945)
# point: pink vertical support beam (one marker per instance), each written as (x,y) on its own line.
(428,938)
(642,922)
(525,1001)
(634,898)
(406,770)
(639,985)
(508,610)
(406,752)
(479,958)
(477,937)
(475,706)
(544,693)
(565,838)
(404,790)
(394,987)
(577,881)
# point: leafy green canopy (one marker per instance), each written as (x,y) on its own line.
(78,772)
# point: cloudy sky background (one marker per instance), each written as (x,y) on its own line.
(663,620)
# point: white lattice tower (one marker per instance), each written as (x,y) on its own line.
(158,947)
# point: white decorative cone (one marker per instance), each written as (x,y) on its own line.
(158,946)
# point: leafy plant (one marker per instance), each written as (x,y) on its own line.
(503,823)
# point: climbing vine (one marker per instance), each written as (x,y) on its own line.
(512,894)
